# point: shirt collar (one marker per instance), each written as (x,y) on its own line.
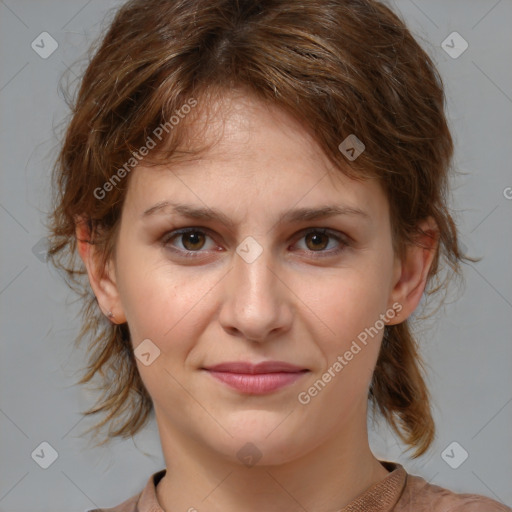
(381,497)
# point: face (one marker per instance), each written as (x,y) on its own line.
(262,280)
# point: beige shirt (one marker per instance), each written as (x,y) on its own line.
(397,492)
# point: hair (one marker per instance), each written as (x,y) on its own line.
(340,67)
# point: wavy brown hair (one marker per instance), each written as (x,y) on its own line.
(340,67)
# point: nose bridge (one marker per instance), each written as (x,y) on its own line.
(255,303)
(253,267)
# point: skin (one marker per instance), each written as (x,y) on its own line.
(287,305)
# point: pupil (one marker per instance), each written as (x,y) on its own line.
(317,239)
(193,238)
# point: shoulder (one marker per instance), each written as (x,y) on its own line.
(141,502)
(130,505)
(418,495)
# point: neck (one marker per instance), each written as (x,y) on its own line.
(324,480)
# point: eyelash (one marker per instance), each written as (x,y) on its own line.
(167,237)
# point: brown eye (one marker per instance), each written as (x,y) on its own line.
(193,240)
(322,242)
(187,242)
(316,241)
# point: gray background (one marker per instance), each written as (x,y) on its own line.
(467,346)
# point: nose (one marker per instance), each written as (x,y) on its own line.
(257,303)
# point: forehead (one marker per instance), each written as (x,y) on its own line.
(238,125)
(253,150)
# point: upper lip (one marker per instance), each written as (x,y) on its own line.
(249,368)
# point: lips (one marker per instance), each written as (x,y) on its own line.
(249,368)
(258,378)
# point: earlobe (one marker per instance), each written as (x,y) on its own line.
(413,271)
(101,279)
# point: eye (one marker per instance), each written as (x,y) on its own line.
(317,240)
(191,239)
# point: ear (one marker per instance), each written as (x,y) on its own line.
(102,279)
(410,276)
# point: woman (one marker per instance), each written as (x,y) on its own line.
(257,191)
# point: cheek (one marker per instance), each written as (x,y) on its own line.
(161,301)
(350,332)
(346,302)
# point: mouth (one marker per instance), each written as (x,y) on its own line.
(256,379)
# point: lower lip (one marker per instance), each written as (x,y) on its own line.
(257,384)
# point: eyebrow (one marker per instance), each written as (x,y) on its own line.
(290,216)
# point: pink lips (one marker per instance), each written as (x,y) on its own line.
(256,379)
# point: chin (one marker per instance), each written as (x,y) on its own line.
(263,439)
